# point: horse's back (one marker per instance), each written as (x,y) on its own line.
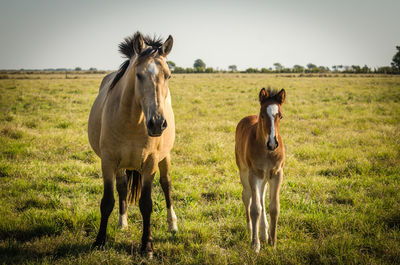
(94,124)
(244,131)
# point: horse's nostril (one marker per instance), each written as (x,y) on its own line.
(164,124)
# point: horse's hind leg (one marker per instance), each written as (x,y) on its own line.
(274,205)
(107,202)
(122,188)
(165,180)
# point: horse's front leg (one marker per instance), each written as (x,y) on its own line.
(256,181)
(165,180)
(274,205)
(107,202)
(146,207)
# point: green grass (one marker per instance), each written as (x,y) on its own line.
(340,199)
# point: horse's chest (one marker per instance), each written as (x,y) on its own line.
(134,155)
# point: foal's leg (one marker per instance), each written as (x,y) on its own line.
(246,196)
(255,208)
(122,183)
(165,166)
(264,222)
(107,202)
(146,207)
(274,205)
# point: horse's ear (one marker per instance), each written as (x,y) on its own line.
(280,97)
(263,95)
(166,48)
(138,43)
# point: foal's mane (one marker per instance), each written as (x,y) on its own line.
(272,92)
(127,50)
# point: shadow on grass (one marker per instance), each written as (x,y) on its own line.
(18,253)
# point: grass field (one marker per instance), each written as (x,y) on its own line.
(340,199)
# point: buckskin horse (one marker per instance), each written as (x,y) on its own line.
(132,129)
(260,156)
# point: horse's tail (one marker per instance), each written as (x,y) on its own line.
(134,185)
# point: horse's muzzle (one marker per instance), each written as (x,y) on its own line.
(272,145)
(156,125)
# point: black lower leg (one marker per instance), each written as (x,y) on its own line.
(122,193)
(106,207)
(146,207)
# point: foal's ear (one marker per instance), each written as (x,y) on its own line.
(138,43)
(280,97)
(263,95)
(166,48)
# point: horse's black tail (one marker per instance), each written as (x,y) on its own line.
(134,185)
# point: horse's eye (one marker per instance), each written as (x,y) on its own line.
(139,76)
(167,76)
(280,116)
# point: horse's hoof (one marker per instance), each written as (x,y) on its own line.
(99,244)
(147,250)
(256,247)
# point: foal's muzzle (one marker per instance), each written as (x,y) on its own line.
(156,125)
(272,145)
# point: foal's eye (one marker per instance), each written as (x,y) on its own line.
(280,116)
(167,77)
(139,76)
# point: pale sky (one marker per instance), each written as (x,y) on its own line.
(37,34)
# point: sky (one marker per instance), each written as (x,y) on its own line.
(38,34)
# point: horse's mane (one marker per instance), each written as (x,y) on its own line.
(127,50)
(272,92)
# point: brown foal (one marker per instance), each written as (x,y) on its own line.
(260,156)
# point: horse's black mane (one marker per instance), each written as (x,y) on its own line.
(126,48)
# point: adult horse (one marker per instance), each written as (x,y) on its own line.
(260,156)
(131,128)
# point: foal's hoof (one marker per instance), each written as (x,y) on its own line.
(256,247)
(172,228)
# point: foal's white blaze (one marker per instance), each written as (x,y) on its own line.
(152,68)
(272,110)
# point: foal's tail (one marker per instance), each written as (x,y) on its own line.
(134,185)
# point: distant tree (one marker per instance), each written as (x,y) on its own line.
(178,69)
(233,68)
(252,70)
(311,66)
(298,68)
(209,70)
(92,69)
(199,65)
(366,69)
(264,70)
(171,65)
(396,59)
(334,67)
(78,69)
(278,66)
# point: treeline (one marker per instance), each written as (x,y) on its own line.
(310,68)
(200,67)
